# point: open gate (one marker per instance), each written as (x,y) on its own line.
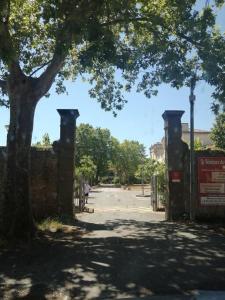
(157,194)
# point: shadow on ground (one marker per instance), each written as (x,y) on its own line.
(115,260)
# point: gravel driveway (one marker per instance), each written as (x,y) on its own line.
(115,203)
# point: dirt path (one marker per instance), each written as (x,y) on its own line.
(123,250)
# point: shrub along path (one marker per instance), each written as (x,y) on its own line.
(123,250)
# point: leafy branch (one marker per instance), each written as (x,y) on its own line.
(7,50)
(41,67)
(3,86)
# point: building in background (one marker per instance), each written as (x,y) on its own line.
(202,135)
(157,151)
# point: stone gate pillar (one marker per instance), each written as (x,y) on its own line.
(66,160)
(175,207)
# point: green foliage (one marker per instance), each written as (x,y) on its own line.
(45,142)
(198,144)
(98,38)
(161,175)
(218,130)
(146,170)
(129,156)
(87,36)
(86,169)
(116,180)
(214,65)
(50,224)
(110,157)
(95,143)
(175,52)
(219,3)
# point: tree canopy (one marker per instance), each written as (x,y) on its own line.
(45,141)
(86,169)
(95,143)
(130,155)
(57,40)
(111,157)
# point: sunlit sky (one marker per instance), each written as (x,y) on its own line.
(141,118)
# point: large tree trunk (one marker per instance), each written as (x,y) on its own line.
(17,211)
(97,177)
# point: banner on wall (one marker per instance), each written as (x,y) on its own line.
(211,181)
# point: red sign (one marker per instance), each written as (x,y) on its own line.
(211,181)
(175,176)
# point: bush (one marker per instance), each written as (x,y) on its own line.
(116,180)
(49,224)
(106,179)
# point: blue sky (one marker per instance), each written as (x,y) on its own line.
(141,118)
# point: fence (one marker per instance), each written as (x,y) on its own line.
(79,199)
(158,196)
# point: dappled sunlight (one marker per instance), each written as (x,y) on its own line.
(122,250)
(12,286)
(121,258)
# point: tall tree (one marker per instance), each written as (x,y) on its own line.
(45,141)
(177,52)
(86,169)
(46,41)
(96,143)
(130,155)
(218,130)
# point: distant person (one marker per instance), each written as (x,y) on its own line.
(87,189)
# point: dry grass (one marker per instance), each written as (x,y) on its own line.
(52,225)
(138,187)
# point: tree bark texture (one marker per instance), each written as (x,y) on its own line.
(17,211)
(24,93)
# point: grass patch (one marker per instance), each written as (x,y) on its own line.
(52,225)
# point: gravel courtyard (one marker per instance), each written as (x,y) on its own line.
(118,204)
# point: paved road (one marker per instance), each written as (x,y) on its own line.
(123,250)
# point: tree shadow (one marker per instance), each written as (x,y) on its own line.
(117,259)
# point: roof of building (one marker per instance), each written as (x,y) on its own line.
(185,129)
(196,131)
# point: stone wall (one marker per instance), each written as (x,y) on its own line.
(52,171)
(43,181)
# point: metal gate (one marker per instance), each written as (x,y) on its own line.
(79,201)
(157,195)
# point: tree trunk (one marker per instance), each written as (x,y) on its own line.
(97,177)
(17,211)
